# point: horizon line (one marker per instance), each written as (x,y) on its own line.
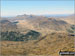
(41,15)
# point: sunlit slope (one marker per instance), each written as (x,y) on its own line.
(50,44)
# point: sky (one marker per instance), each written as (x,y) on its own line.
(13,8)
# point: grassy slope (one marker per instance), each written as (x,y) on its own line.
(51,44)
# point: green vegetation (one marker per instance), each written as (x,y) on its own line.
(72,29)
(50,44)
(17,36)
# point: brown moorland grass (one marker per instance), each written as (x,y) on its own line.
(50,45)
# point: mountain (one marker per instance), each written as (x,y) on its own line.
(37,35)
(42,23)
(6,25)
(48,45)
(69,19)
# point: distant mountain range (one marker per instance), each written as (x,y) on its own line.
(40,23)
(39,34)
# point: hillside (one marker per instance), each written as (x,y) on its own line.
(6,25)
(40,23)
(50,44)
(69,19)
(36,35)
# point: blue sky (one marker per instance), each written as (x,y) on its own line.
(13,8)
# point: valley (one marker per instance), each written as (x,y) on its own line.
(32,35)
